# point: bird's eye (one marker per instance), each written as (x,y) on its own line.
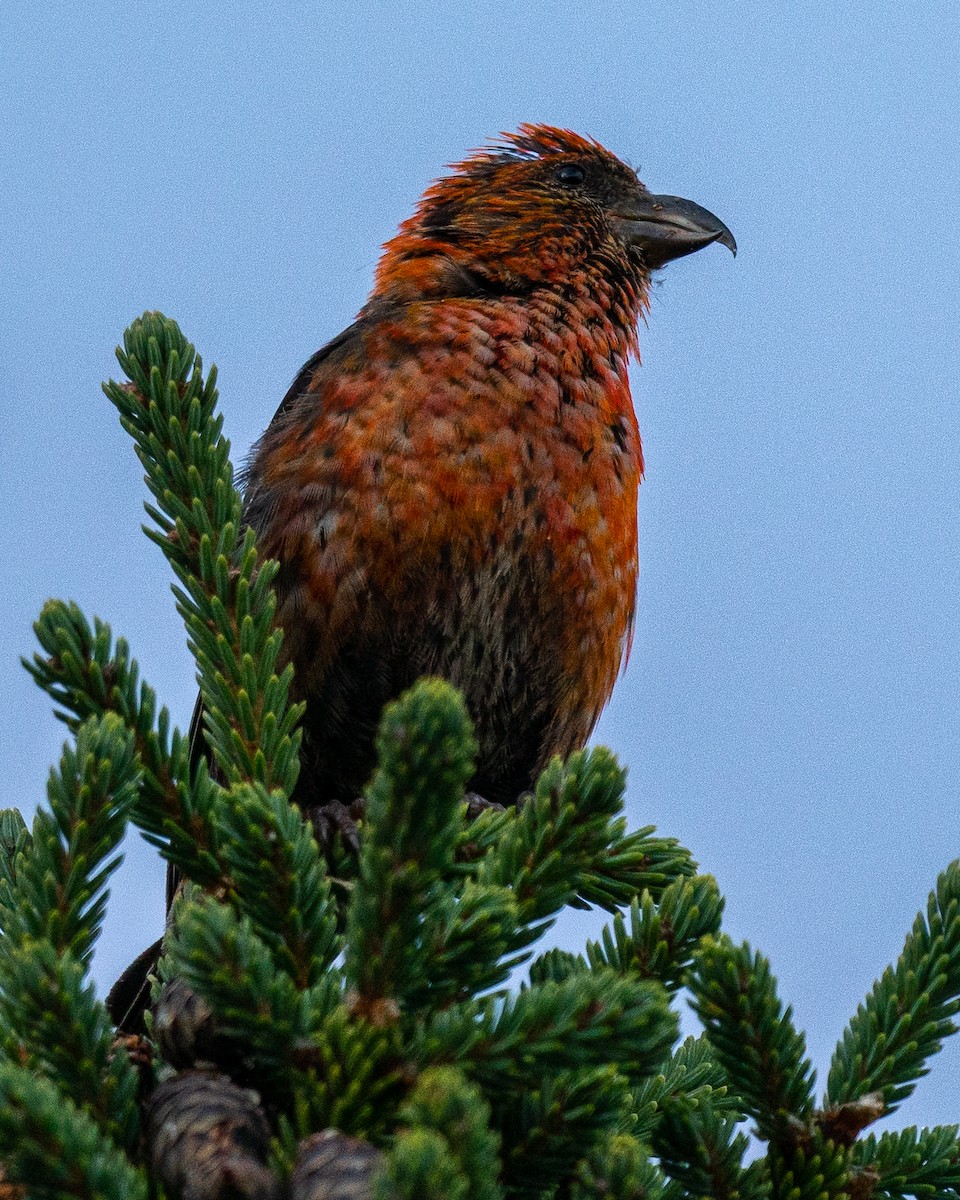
(570,174)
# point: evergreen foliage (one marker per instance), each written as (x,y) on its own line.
(337,1024)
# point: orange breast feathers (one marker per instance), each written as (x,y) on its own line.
(462,436)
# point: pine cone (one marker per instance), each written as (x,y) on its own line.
(333,1166)
(184,1029)
(208,1139)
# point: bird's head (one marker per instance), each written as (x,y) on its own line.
(543,207)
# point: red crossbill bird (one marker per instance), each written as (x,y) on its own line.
(450,485)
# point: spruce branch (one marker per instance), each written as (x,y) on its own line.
(86,675)
(224,597)
(56,1149)
(566,845)
(910,1010)
(688,1116)
(817,1169)
(691,1077)
(556,965)
(663,937)
(925,1164)
(619,1168)
(701,1151)
(467,944)
(735,995)
(255,1004)
(414,815)
(300,1044)
(52,899)
(278,880)
(445,1102)
(353,1073)
(421,1166)
(755,1181)
(552,1125)
(15,841)
(52,1023)
(59,892)
(592,1018)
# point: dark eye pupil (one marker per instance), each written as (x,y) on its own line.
(570,173)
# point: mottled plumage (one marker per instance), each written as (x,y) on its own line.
(450,485)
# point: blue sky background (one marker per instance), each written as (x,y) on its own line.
(790,711)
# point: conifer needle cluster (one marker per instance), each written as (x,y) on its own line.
(331,1024)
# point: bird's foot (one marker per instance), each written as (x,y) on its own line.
(335,819)
(476,804)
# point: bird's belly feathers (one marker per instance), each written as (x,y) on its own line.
(520,593)
(490,539)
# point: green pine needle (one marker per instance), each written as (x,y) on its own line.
(735,995)
(815,1170)
(592,1018)
(60,880)
(86,675)
(421,1166)
(701,1151)
(256,1005)
(620,1168)
(466,943)
(925,1164)
(550,1126)
(567,845)
(690,1078)
(444,1101)
(54,1148)
(689,1117)
(351,1075)
(224,597)
(278,879)
(413,820)
(51,1021)
(556,965)
(663,937)
(15,841)
(910,1010)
